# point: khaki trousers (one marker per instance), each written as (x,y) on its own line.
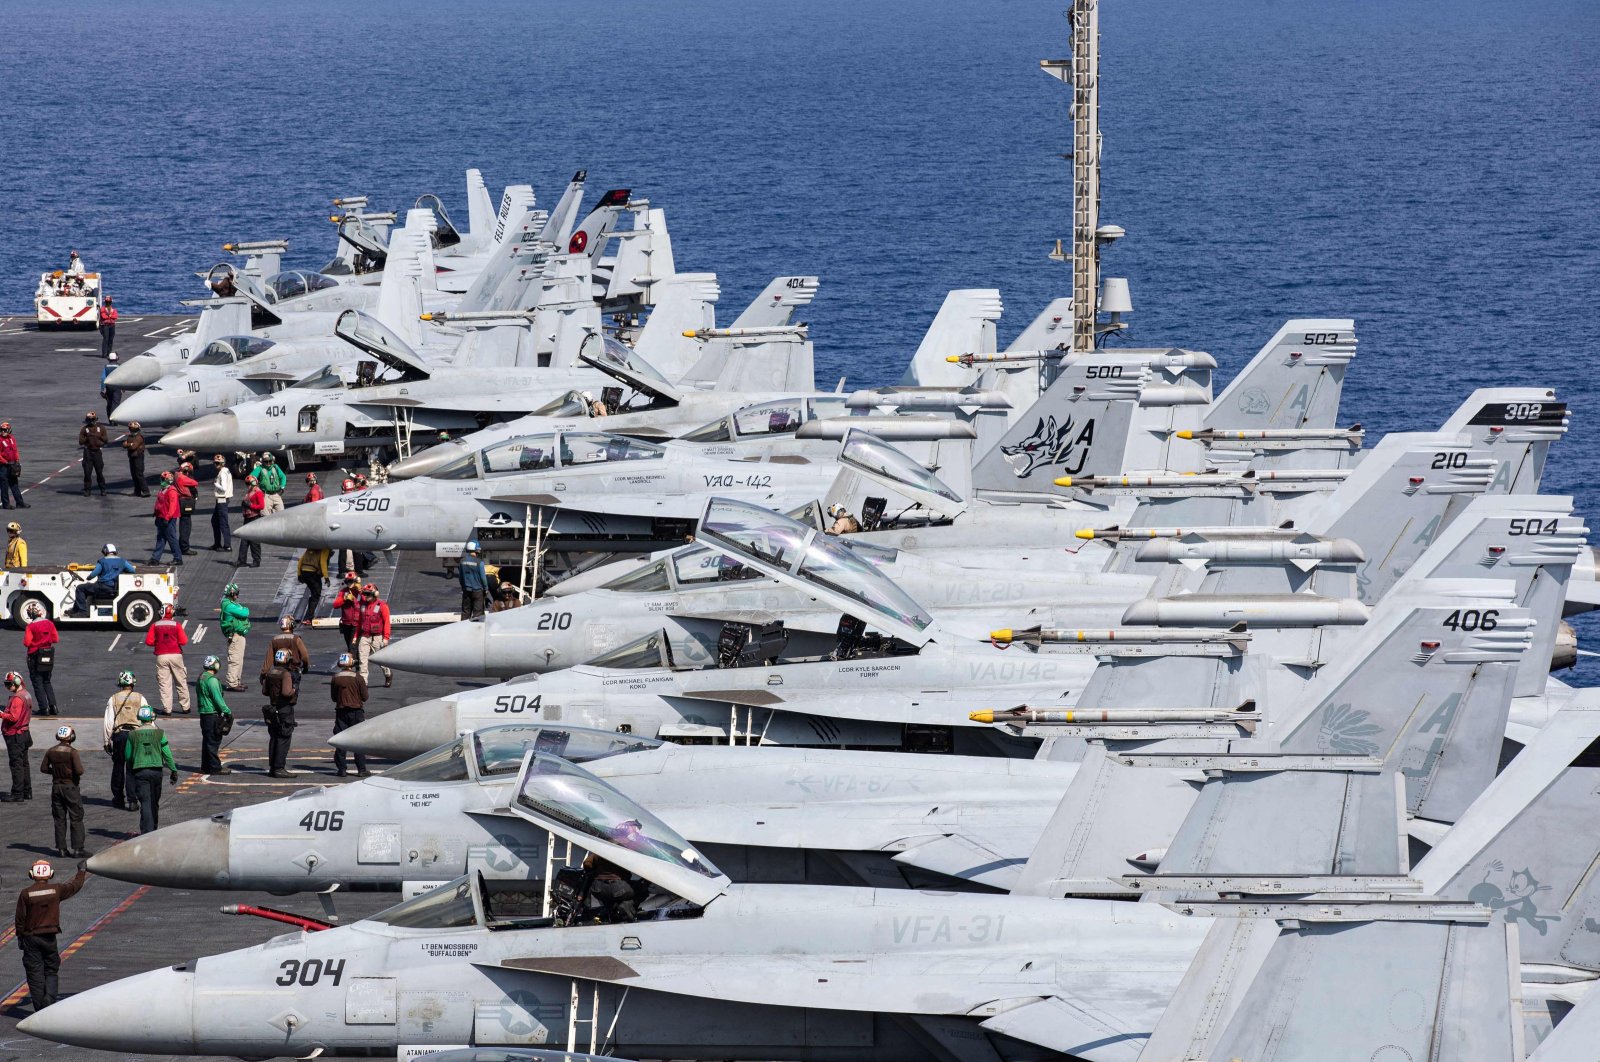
(169,672)
(234,676)
(366,645)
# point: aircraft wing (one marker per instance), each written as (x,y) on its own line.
(1096,1025)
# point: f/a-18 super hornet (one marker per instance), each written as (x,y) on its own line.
(764,814)
(688,598)
(290,306)
(1026,975)
(877,818)
(872,692)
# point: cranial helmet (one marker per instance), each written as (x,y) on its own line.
(147,714)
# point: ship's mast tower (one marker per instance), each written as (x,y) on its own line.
(1082,73)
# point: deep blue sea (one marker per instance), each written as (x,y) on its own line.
(1427,167)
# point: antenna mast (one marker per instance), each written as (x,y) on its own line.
(1082,73)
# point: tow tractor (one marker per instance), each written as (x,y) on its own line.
(67,300)
(28,594)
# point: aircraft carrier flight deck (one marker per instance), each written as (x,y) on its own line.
(112,929)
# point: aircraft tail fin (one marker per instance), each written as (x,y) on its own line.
(218,318)
(1107,412)
(1051,329)
(1523,848)
(1425,687)
(1398,499)
(591,235)
(644,259)
(510,273)
(686,302)
(480,210)
(1305,983)
(780,362)
(1516,423)
(559,226)
(1295,381)
(775,306)
(963,325)
(400,291)
(567,314)
(1532,541)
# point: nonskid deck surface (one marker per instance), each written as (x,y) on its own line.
(112,929)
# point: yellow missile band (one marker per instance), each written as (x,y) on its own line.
(689,333)
(1000,635)
(1086,533)
(425,317)
(1064,481)
(227,247)
(1185,434)
(953,359)
(985,716)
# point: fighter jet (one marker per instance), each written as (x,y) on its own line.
(705,591)
(1100,972)
(297,318)
(857,817)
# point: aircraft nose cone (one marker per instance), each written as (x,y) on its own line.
(141,371)
(426,462)
(188,855)
(304,526)
(214,431)
(149,1013)
(454,649)
(403,732)
(146,407)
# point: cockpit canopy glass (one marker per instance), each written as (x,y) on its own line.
(500,749)
(370,334)
(592,447)
(571,796)
(649,650)
(811,555)
(450,906)
(229,349)
(527,453)
(570,404)
(615,354)
(689,566)
(447,763)
(288,284)
(873,454)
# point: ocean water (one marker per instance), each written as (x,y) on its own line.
(1425,167)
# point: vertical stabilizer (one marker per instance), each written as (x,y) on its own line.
(1313,983)
(1517,424)
(480,211)
(1527,848)
(559,226)
(775,306)
(963,325)
(1107,412)
(1295,381)
(400,291)
(686,302)
(1397,501)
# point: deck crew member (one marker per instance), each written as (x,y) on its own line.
(65,768)
(37,925)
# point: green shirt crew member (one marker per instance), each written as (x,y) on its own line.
(271,480)
(235,625)
(148,753)
(216,718)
